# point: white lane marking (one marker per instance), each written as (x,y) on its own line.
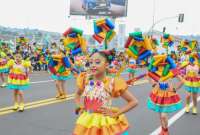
(42,81)
(174,118)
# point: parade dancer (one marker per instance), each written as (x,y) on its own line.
(3,68)
(18,80)
(163,99)
(131,69)
(3,64)
(97,116)
(60,71)
(192,85)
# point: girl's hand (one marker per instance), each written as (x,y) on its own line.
(180,78)
(108,112)
(172,90)
(79,110)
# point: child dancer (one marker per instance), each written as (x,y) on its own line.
(113,68)
(163,99)
(3,68)
(61,73)
(97,116)
(131,69)
(3,64)
(18,80)
(192,85)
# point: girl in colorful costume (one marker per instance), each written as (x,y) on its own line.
(113,68)
(192,84)
(3,64)
(131,69)
(60,67)
(97,116)
(78,65)
(18,80)
(163,98)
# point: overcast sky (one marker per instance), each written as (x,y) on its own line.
(52,15)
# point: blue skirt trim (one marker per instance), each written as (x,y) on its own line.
(192,89)
(163,109)
(18,87)
(125,133)
(130,70)
(62,78)
(6,70)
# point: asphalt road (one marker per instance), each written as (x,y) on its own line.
(59,118)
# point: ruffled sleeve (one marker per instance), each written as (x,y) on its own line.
(2,54)
(119,87)
(80,81)
(10,63)
(26,63)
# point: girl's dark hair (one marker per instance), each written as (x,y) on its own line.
(17,53)
(109,55)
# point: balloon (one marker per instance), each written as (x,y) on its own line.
(66,62)
(68,31)
(130,54)
(71,46)
(142,50)
(98,38)
(110,23)
(128,42)
(52,70)
(97,30)
(144,55)
(105,27)
(148,45)
(134,50)
(166,70)
(100,22)
(151,64)
(61,69)
(78,50)
(154,69)
(104,31)
(73,40)
(171,62)
(163,66)
(140,47)
(153,76)
(167,40)
(77,31)
(73,35)
(170,75)
(157,61)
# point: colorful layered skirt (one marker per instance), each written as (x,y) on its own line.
(63,77)
(164,101)
(18,81)
(112,72)
(3,66)
(192,84)
(98,124)
(131,70)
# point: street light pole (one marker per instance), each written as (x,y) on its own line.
(159,21)
(154,14)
